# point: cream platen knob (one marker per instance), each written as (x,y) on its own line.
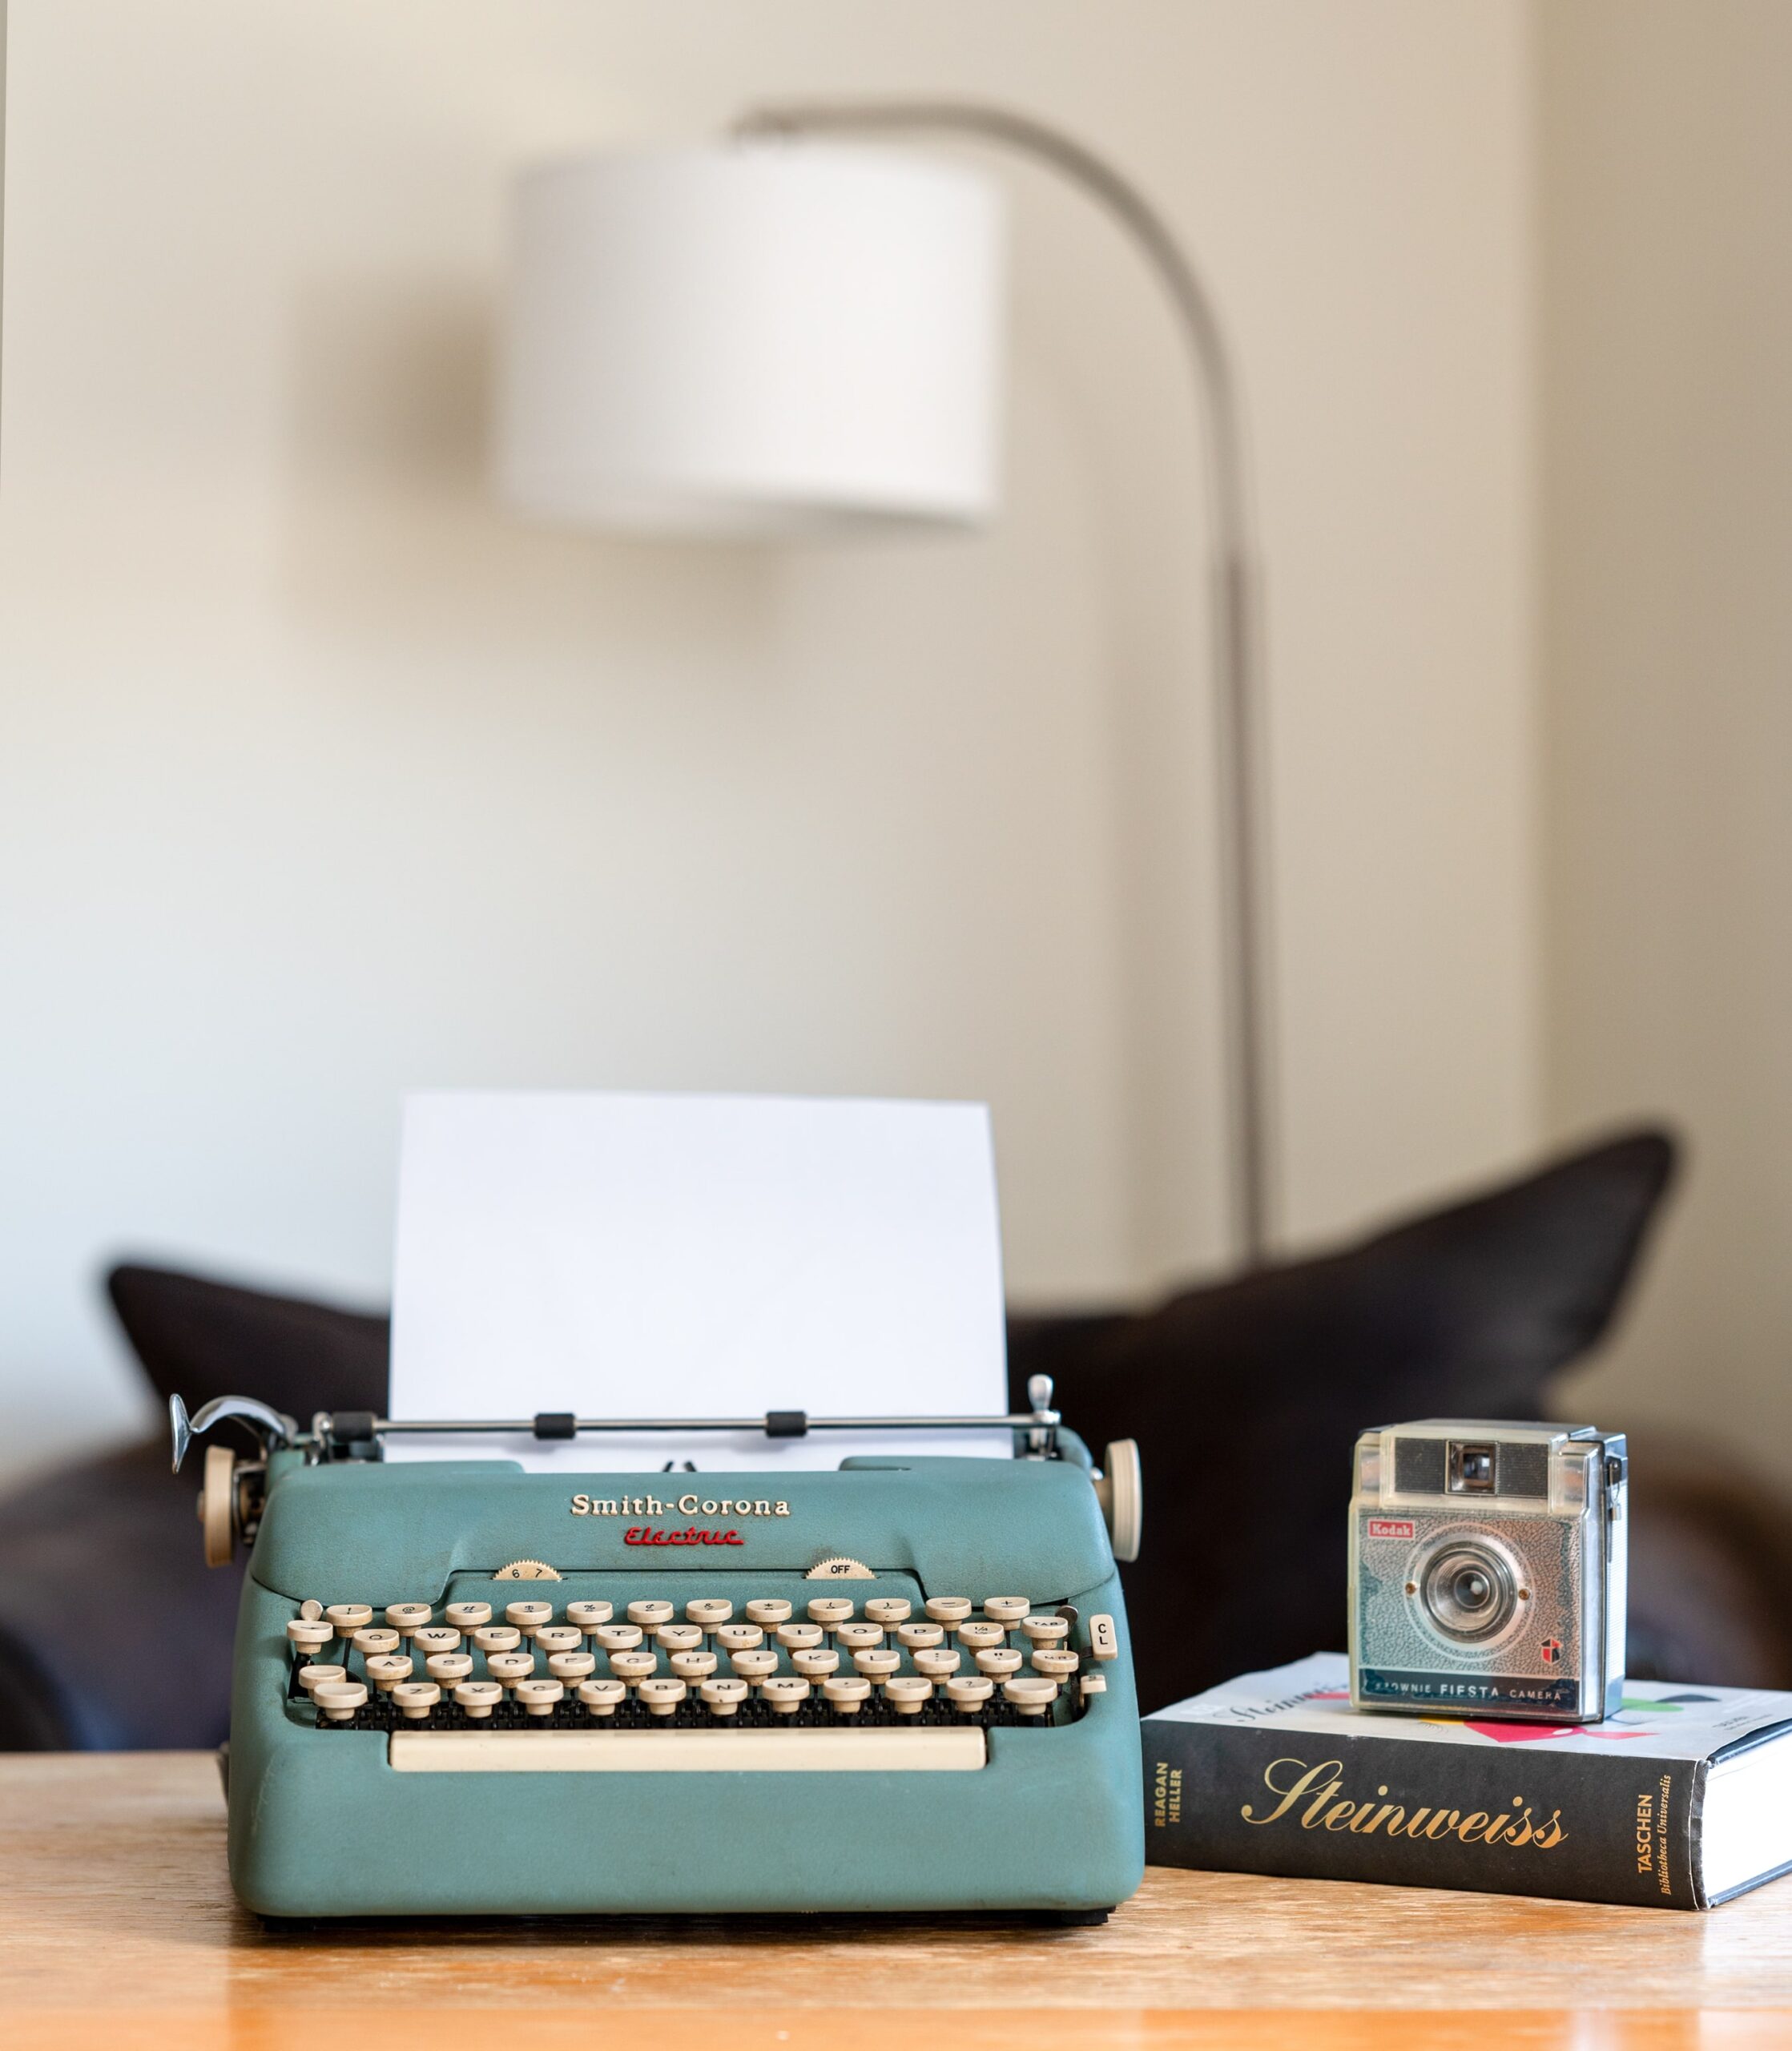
(567,1668)
(969,1692)
(1120,1490)
(740,1637)
(386,1670)
(428,1639)
(691,1666)
(467,1616)
(539,1697)
(1104,1640)
(496,1637)
(768,1611)
(650,1615)
(406,1616)
(848,1693)
(1045,1630)
(908,1694)
(948,1609)
(417,1698)
(601,1697)
(311,1678)
(529,1617)
(1032,1697)
(217,1505)
(478,1698)
(889,1610)
(1006,1610)
(786,1693)
(307,1636)
(830,1610)
(708,1612)
(339,1699)
(349,1618)
(448,1669)
(374,1640)
(724,1697)
(662,1696)
(587,1616)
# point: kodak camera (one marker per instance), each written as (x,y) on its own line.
(1487,1570)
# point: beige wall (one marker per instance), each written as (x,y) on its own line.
(319,779)
(1666,168)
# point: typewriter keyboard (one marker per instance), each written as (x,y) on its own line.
(668,1682)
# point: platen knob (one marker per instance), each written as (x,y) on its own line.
(1120,1489)
(217,1505)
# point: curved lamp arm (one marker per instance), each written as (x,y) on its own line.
(1239,696)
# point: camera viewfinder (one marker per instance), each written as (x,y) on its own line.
(1471,1470)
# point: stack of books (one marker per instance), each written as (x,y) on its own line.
(1680,1801)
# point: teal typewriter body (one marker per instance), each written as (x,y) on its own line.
(904,1685)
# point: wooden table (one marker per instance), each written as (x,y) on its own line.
(117,1928)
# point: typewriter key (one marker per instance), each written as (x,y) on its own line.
(587,1616)
(313,1677)
(975,1636)
(948,1610)
(406,1616)
(311,1609)
(558,1637)
(1045,1630)
(1047,1659)
(1104,1642)
(467,1616)
(478,1698)
(601,1697)
(889,1610)
(496,1637)
(509,1668)
(756,1667)
(709,1612)
(662,1696)
(569,1666)
(529,1617)
(768,1611)
(830,1611)
(724,1697)
(999,1659)
(428,1639)
(1032,1697)
(307,1636)
(348,1617)
(650,1615)
(937,1662)
(417,1698)
(1092,1684)
(633,1667)
(539,1697)
(448,1669)
(386,1670)
(786,1693)
(678,1638)
(1005,1610)
(339,1699)
(740,1637)
(908,1694)
(816,1665)
(968,1692)
(860,1638)
(618,1638)
(372,1640)
(692,1666)
(799,1637)
(876,1664)
(914,1636)
(846,1692)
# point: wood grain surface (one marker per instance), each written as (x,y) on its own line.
(117,1928)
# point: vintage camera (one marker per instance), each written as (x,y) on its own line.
(1487,1570)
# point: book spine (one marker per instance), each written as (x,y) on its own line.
(1611,1826)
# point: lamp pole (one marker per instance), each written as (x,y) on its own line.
(1238,706)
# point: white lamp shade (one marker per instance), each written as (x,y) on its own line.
(766,339)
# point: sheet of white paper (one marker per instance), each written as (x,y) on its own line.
(674,1256)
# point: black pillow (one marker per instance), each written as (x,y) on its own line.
(1245,1397)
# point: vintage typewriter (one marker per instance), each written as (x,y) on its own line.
(463,1689)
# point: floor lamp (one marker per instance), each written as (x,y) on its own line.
(784,335)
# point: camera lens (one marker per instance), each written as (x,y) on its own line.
(1467,1592)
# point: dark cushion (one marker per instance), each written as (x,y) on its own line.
(1245,1397)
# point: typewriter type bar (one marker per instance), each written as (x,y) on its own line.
(946,1751)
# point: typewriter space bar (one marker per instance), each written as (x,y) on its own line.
(943,1750)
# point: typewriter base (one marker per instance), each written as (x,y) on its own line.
(1014,1919)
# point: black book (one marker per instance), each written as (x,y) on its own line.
(1680,1800)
